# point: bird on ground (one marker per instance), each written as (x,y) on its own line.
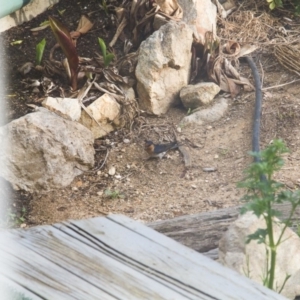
(159,150)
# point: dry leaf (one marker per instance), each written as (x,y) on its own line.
(247,49)
(170,8)
(84,25)
(232,48)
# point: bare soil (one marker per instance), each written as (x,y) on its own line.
(150,190)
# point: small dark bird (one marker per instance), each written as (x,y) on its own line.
(159,150)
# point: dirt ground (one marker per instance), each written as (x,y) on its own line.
(149,190)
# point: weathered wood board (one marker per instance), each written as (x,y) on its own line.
(114,258)
(202,232)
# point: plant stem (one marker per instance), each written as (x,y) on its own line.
(272,246)
(286,224)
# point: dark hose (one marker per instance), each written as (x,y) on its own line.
(257,109)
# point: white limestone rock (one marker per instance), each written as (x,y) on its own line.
(163,67)
(209,114)
(251,258)
(65,107)
(106,111)
(201,16)
(196,95)
(43,151)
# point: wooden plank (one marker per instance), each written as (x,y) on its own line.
(116,254)
(99,269)
(174,260)
(41,276)
(202,232)
(7,283)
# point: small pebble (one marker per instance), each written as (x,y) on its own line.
(118,176)
(79,183)
(112,171)
(126,141)
(23,225)
(216,156)
(193,186)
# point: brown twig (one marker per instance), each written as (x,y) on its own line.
(119,31)
(280,85)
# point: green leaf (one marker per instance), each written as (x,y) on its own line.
(64,39)
(16,42)
(259,235)
(61,12)
(45,23)
(104,7)
(102,47)
(40,47)
(109,57)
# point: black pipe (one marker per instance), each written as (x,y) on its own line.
(257,109)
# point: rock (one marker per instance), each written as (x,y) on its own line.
(208,115)
(106,111)
(201,16)
(130,94)
(44,151)
(159,21)
(163,67)
(112,171)
(251,258)
(129,107)
(195,95)
(64,107)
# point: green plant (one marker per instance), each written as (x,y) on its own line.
(39,49)
(65,41)
(45,23)
(280,3)
(262,192)
(223,151)
(274,3)
(17,218)
(113,194)
(104,6)
(107,57)
(61,12)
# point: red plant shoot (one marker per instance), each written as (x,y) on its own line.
(65,41)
